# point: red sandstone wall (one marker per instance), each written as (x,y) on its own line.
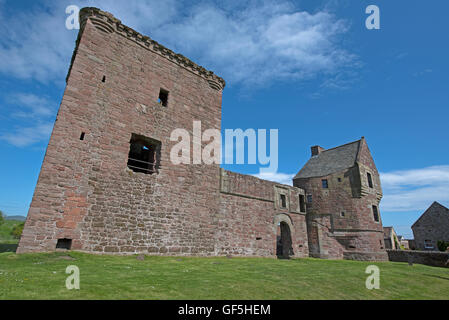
(248,211)
(356,234)
(85,191)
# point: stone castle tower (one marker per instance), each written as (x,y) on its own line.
(107,184)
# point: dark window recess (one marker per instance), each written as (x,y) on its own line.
(325,184)
(163,97)
(258,238)
(302,204)
(104,79)
(144,154)
(83,134)
(342,214)
(309,198)
(283,201)
(339,179)
(65,244)
(370,180)
(375,214)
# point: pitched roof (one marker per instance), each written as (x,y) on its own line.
(331,161)
(434,206)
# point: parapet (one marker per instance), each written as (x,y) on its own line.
(106,22)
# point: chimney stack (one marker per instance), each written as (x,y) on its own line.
(316,150)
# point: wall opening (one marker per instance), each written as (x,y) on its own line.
(325,184)
(370,180)
(144,154)
(163,97)
(64,244)
(302,203)
(104,79)
(309,198)
(284,248)
(83,134)
(375,214)
(283,201)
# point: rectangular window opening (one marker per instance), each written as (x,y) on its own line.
(163,97)
(375,214)
(325,184)
(428,244)
(83,134)
(342,214)
(309,198)
(370,180)
(65,244)
(302,204)
(283,201)
(144,154)
(104,79)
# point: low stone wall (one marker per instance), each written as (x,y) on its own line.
(430,258)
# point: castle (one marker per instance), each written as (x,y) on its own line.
(107,184)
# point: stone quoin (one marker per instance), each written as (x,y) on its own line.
(107,184)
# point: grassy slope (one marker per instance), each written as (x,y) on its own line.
(42,276)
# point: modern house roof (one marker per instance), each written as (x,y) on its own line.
(331,161)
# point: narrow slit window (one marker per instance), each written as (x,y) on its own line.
(283,201)
(104,79)
(65,244)
(302,204)
(163,97)
(375,214)
(83,134)
(370,180)
(342,214)
(144,154)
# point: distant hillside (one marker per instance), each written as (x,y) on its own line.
(16,218)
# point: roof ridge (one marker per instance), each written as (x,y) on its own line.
(343,145)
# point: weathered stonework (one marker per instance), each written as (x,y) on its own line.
(88,193)
(340,217)
(431,227)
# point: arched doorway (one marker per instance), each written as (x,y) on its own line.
(284,248)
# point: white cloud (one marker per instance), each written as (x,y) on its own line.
(259,42)
(416,189)
(35,114)
(283,178)
(31,105)
(23,137)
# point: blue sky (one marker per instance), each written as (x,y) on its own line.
(308,68)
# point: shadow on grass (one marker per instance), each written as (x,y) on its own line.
(5,247)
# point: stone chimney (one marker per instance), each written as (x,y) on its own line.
(316,150)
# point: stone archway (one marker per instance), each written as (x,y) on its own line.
(284,229)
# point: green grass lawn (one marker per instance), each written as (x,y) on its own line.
(42,276)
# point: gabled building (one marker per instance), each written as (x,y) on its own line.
(343,192)
(431,227)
